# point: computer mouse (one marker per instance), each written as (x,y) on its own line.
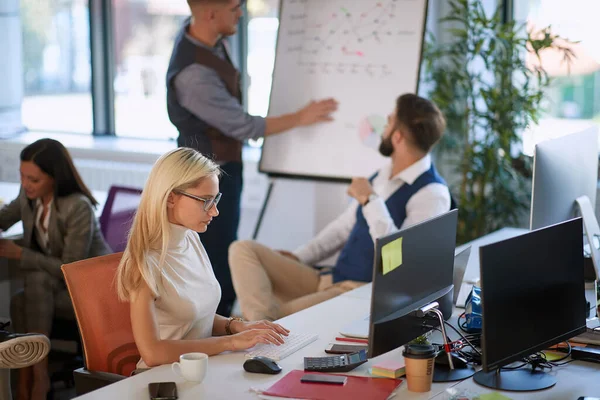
(458,361)
(262,365)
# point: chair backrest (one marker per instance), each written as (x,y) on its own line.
(117,215)
(103,320)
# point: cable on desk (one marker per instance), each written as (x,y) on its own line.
(539,361)
(463,336)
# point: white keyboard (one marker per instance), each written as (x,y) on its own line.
(293,343)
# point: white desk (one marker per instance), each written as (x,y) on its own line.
(10,190)
(226,378)
(573,380)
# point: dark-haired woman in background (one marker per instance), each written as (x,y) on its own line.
(59,227)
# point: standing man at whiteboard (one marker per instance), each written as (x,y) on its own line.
(205,104)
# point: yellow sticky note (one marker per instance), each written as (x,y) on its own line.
(391,255)
(493,396)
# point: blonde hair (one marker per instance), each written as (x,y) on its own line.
(178,169)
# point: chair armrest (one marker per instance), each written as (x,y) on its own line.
(87,381)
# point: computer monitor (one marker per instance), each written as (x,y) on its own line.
(532,298)
(423,276)
(563,170)
(565,179)
(461,260)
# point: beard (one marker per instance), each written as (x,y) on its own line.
(385,147)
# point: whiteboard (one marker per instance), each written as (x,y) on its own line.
(363,53)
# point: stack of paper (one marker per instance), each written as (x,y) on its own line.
(389,369)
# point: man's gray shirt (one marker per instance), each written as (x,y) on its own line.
(200,90)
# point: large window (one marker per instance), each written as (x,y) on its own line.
(144,31)
(57,69)
(263,23)
(56,65)
(573,100)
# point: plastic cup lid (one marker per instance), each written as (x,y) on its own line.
(420,351)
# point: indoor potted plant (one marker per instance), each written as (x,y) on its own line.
(481,81)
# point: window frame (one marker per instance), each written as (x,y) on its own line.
(103,67)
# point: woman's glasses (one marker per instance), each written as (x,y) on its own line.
(208,203)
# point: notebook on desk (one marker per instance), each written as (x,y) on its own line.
(355,388)
(357,329)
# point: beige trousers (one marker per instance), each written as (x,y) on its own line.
(270,285)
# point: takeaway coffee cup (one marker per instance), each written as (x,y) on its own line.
(419,366)
(191,366)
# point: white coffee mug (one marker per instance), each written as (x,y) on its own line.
(191,366)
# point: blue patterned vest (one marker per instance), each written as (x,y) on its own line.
(356,259)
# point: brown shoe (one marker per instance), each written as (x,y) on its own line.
(22,350)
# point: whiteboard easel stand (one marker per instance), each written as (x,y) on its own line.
(263,208)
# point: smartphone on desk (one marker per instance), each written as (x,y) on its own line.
(322,378)
(335,348)
(162,390)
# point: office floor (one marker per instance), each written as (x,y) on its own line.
(60,392)
(64,393)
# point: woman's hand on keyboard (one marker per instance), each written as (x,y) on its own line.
(250,338)
(262,324)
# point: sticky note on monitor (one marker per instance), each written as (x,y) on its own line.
(391,255)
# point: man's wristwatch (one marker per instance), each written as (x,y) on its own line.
(228,324)
(371,197)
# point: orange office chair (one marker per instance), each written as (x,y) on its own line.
(109,350)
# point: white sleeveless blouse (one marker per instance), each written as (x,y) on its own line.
(186,308)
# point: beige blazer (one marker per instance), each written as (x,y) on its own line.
(73,232)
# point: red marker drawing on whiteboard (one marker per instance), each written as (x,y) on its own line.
(352,53)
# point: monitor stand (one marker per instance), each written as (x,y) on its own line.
(591,298)
(449,372)
(443,373)
(516,380)
(592,232)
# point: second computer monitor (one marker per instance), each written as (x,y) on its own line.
(425,254)
(532,296)
(563,170)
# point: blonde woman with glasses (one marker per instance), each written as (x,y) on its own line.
(166,275)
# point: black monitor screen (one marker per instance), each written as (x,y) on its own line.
(427,265)
(419,261)
(532,292)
